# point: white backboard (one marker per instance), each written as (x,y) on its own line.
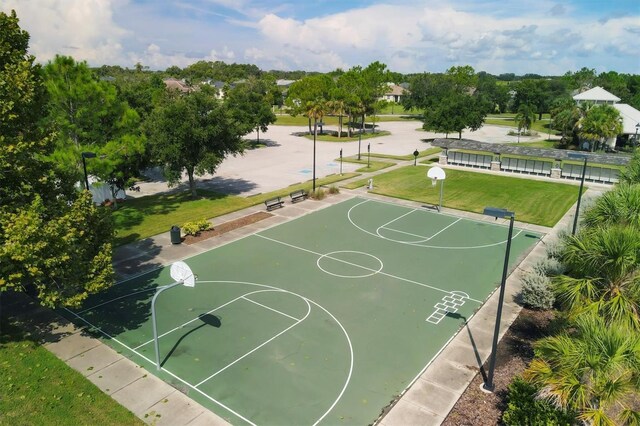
(180,271)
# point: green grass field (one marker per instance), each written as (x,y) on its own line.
(154,214)
(355,138)
(37,388)
(331,316)
(537,202)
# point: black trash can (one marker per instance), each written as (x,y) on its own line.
(175,235)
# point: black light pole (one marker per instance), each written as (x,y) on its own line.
(635,140)
(340,161)
(315,130)
(84,166)
(368,155)
(499,213)
(415,157)
(360,137)
(584,171)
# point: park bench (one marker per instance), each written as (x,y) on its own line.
(298,195)
(273,203)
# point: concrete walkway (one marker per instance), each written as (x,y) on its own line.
(426,402)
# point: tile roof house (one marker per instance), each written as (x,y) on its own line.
(629,115)
(175,84)
(394,93)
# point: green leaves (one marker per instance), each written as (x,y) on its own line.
(193,132)
(63,252)
(593,370)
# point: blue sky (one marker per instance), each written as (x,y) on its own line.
(525,36)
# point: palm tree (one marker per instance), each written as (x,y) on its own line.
(603,274)
(600,123)
(619,206)
(631,173)
(594,371)
(315,110)
(525,117)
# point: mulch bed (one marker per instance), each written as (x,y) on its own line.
(226,227)
(515,351)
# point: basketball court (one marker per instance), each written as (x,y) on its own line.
(324,319)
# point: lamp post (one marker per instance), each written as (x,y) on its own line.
(340,161)
(182,274)
(360,136)
(84,166)
(635,140)
(577,156)
(499,213)
(315,131)
(368,155)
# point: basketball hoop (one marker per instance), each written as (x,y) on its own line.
(437,174)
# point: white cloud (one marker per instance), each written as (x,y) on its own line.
(83,29)
(409,36)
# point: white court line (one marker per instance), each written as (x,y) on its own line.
(117,298)
(406,233)
(162,368)
(198,317)
(271,309)
(344,331)
(363,267)
(397,218)
(419,244)
(444,229)
(259,346)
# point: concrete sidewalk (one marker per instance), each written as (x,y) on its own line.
(427,401)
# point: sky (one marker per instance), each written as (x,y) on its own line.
(523,36)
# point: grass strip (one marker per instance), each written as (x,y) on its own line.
(374,166)
(421,154)
(330,138)
(37,388)
(533,201)
(144,217)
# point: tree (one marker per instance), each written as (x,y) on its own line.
(601,122)
(88,116)
(251,103)
(603,274)
(594,371)
(454,114)
(564,114)
(53,241)
(525,116)
(631,174)
(194,133)
(620,206)
(309,89)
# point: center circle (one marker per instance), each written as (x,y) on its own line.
(342,260)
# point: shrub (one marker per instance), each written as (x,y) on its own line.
(318,194)
(536,292)
(523,408)
(334,189)
(554,250)
(194,228)
(549,267)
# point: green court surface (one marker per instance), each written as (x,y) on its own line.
(321,320)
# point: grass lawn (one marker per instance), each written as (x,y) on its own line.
(540,126)
(537,202)
(301,120)
(37,388)
(425,153)
(374,165)
(548,144)
(330,138)
(154,214)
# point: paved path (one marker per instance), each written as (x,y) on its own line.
(288,159)
(426,402)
